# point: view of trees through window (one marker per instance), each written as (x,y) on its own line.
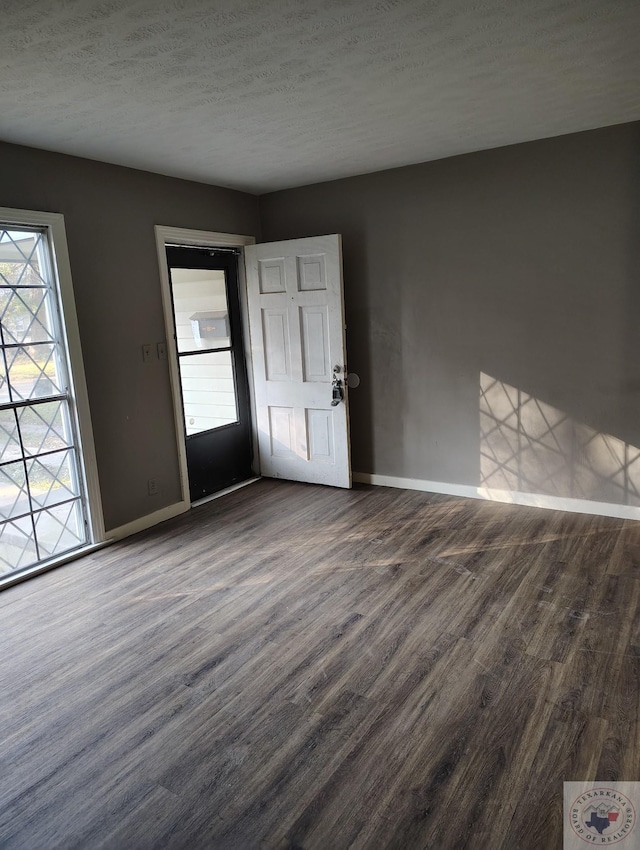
(41,506)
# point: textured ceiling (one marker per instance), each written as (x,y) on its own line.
(278,93)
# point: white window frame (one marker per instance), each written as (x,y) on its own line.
(53,224)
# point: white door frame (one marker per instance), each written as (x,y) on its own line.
(202,238)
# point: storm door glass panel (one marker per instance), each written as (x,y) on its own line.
(203,339)
(42,508)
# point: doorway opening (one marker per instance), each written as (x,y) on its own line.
(212,369)
(290,306)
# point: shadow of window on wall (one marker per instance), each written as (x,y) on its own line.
(529,446)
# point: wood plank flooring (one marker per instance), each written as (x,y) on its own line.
(301,667)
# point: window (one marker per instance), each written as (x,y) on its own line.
(205,352)
(44,505)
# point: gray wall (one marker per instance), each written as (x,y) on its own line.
(519,264)
(109,214)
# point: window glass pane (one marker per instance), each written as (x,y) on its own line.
(14,499)
(9,437)
(4,384)
(20,258)
(34,371)
(208,391)
(17,546)
(44,427)
(200,309)
(59,529)
(52,479)
(25,316)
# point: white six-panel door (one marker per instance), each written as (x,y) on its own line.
(296,321)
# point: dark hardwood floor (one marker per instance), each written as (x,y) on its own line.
(301,667)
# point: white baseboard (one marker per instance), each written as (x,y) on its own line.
(167,513)
(532,500)
(147,521)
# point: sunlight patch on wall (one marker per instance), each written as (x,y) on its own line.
(529,446)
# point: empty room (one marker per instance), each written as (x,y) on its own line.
(319,424)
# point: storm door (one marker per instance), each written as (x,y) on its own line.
(212,368)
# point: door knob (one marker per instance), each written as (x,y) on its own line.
(337,392)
